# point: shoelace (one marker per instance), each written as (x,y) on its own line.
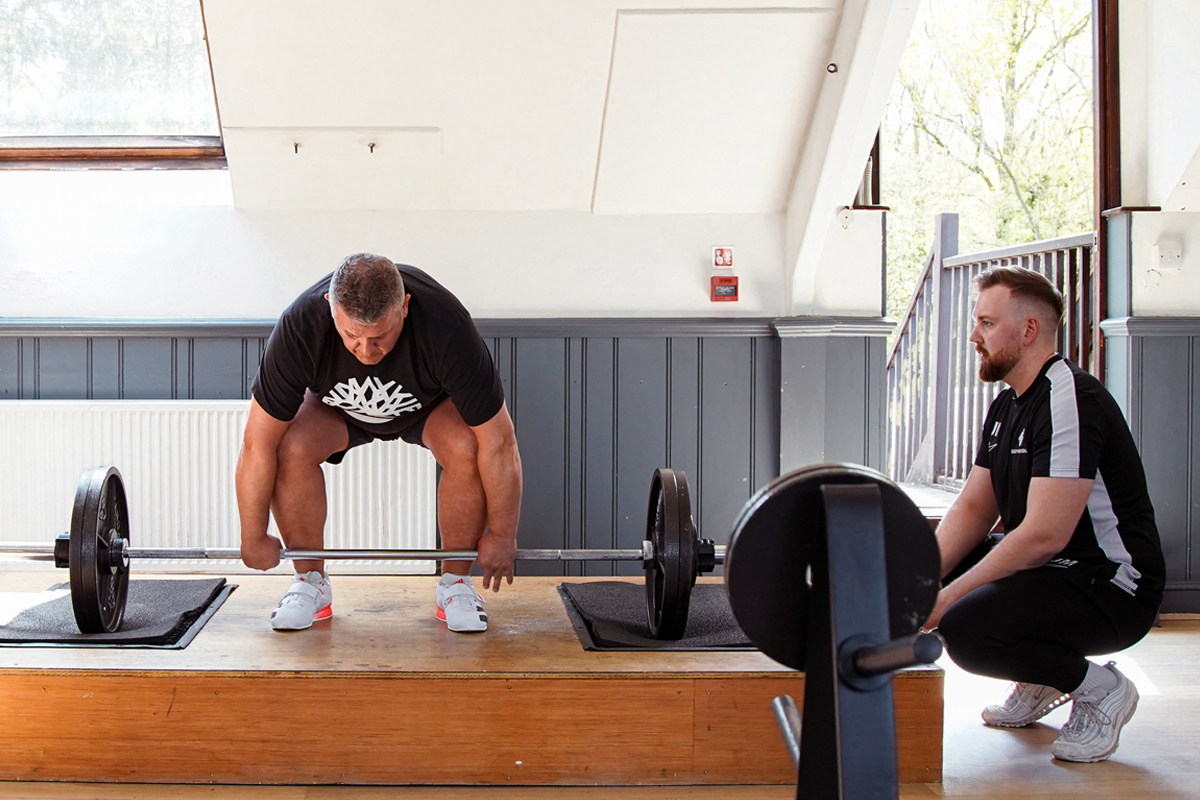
(1083,713)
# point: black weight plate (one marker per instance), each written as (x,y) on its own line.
(100,515)
(766,564)
(670,577)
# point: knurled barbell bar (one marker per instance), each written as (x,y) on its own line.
(97,552)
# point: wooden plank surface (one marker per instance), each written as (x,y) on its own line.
(367,698)
(200,728)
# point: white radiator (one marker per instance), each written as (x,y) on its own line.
(177,459)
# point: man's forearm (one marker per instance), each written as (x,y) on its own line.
(500,472)
(960,532)
(255,482)
(1013,554)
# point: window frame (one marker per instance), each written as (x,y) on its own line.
(121,152)
(112,152)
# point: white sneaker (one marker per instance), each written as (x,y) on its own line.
(1026,703)
(1092,732)
(309,598)
(458,604)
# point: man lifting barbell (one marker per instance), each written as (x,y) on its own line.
(378,351)
(98,551)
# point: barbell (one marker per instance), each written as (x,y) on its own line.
(97,553)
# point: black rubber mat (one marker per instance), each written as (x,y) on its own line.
(611,615)
(158,614)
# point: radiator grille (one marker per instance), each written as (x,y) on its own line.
(178,460)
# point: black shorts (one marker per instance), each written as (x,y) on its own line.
(412,434)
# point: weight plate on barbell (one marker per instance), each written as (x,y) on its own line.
(672,573)
(99,581)
(770,557)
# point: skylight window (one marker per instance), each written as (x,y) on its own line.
(97,79)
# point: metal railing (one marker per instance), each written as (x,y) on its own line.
(936,401)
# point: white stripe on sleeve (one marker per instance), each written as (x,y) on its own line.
(1104,526)
(1064,422)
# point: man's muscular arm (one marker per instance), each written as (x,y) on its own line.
(500,472)
(1053,509)
(255,485)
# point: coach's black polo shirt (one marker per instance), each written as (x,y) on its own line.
(1067,425)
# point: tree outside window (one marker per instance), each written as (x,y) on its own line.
(124,74)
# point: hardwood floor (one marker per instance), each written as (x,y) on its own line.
(1158,756)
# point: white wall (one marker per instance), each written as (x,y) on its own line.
(1160,152)
(1163,286)
(170,244)
(587,173)
(1160,104)
(850,278)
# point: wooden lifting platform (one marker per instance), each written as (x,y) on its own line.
(384,694)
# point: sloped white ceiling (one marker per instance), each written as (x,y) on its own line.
(706,111)
(517,105)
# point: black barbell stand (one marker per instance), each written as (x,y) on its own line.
(846,747)
(848,740)
(831,569)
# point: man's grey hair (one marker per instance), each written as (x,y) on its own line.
(365,286)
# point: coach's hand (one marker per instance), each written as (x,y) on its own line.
(495,556)
(261,552)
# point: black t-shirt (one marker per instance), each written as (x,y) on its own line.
(1067,425)
(439,354)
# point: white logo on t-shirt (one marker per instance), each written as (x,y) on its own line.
(371,401)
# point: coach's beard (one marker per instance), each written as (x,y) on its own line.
(994,367)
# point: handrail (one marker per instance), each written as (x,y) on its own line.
(1027,249)
(922,279)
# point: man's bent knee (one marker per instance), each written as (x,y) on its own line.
(316,433)
(450,439)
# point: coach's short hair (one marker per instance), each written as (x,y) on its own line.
(365,286)
(1024,284)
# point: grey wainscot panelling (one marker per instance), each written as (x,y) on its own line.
(832,390)
(151,360)
(1154,374)
(598,404)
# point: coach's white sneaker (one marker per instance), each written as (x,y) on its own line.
(309,598)
(459,605)
(1094,729)
(1026,703)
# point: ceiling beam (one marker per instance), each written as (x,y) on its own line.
(870,41)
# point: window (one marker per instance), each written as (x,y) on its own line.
(83,82)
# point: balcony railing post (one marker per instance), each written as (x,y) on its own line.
(945,245)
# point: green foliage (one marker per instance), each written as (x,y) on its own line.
(990,117)
(104,67)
